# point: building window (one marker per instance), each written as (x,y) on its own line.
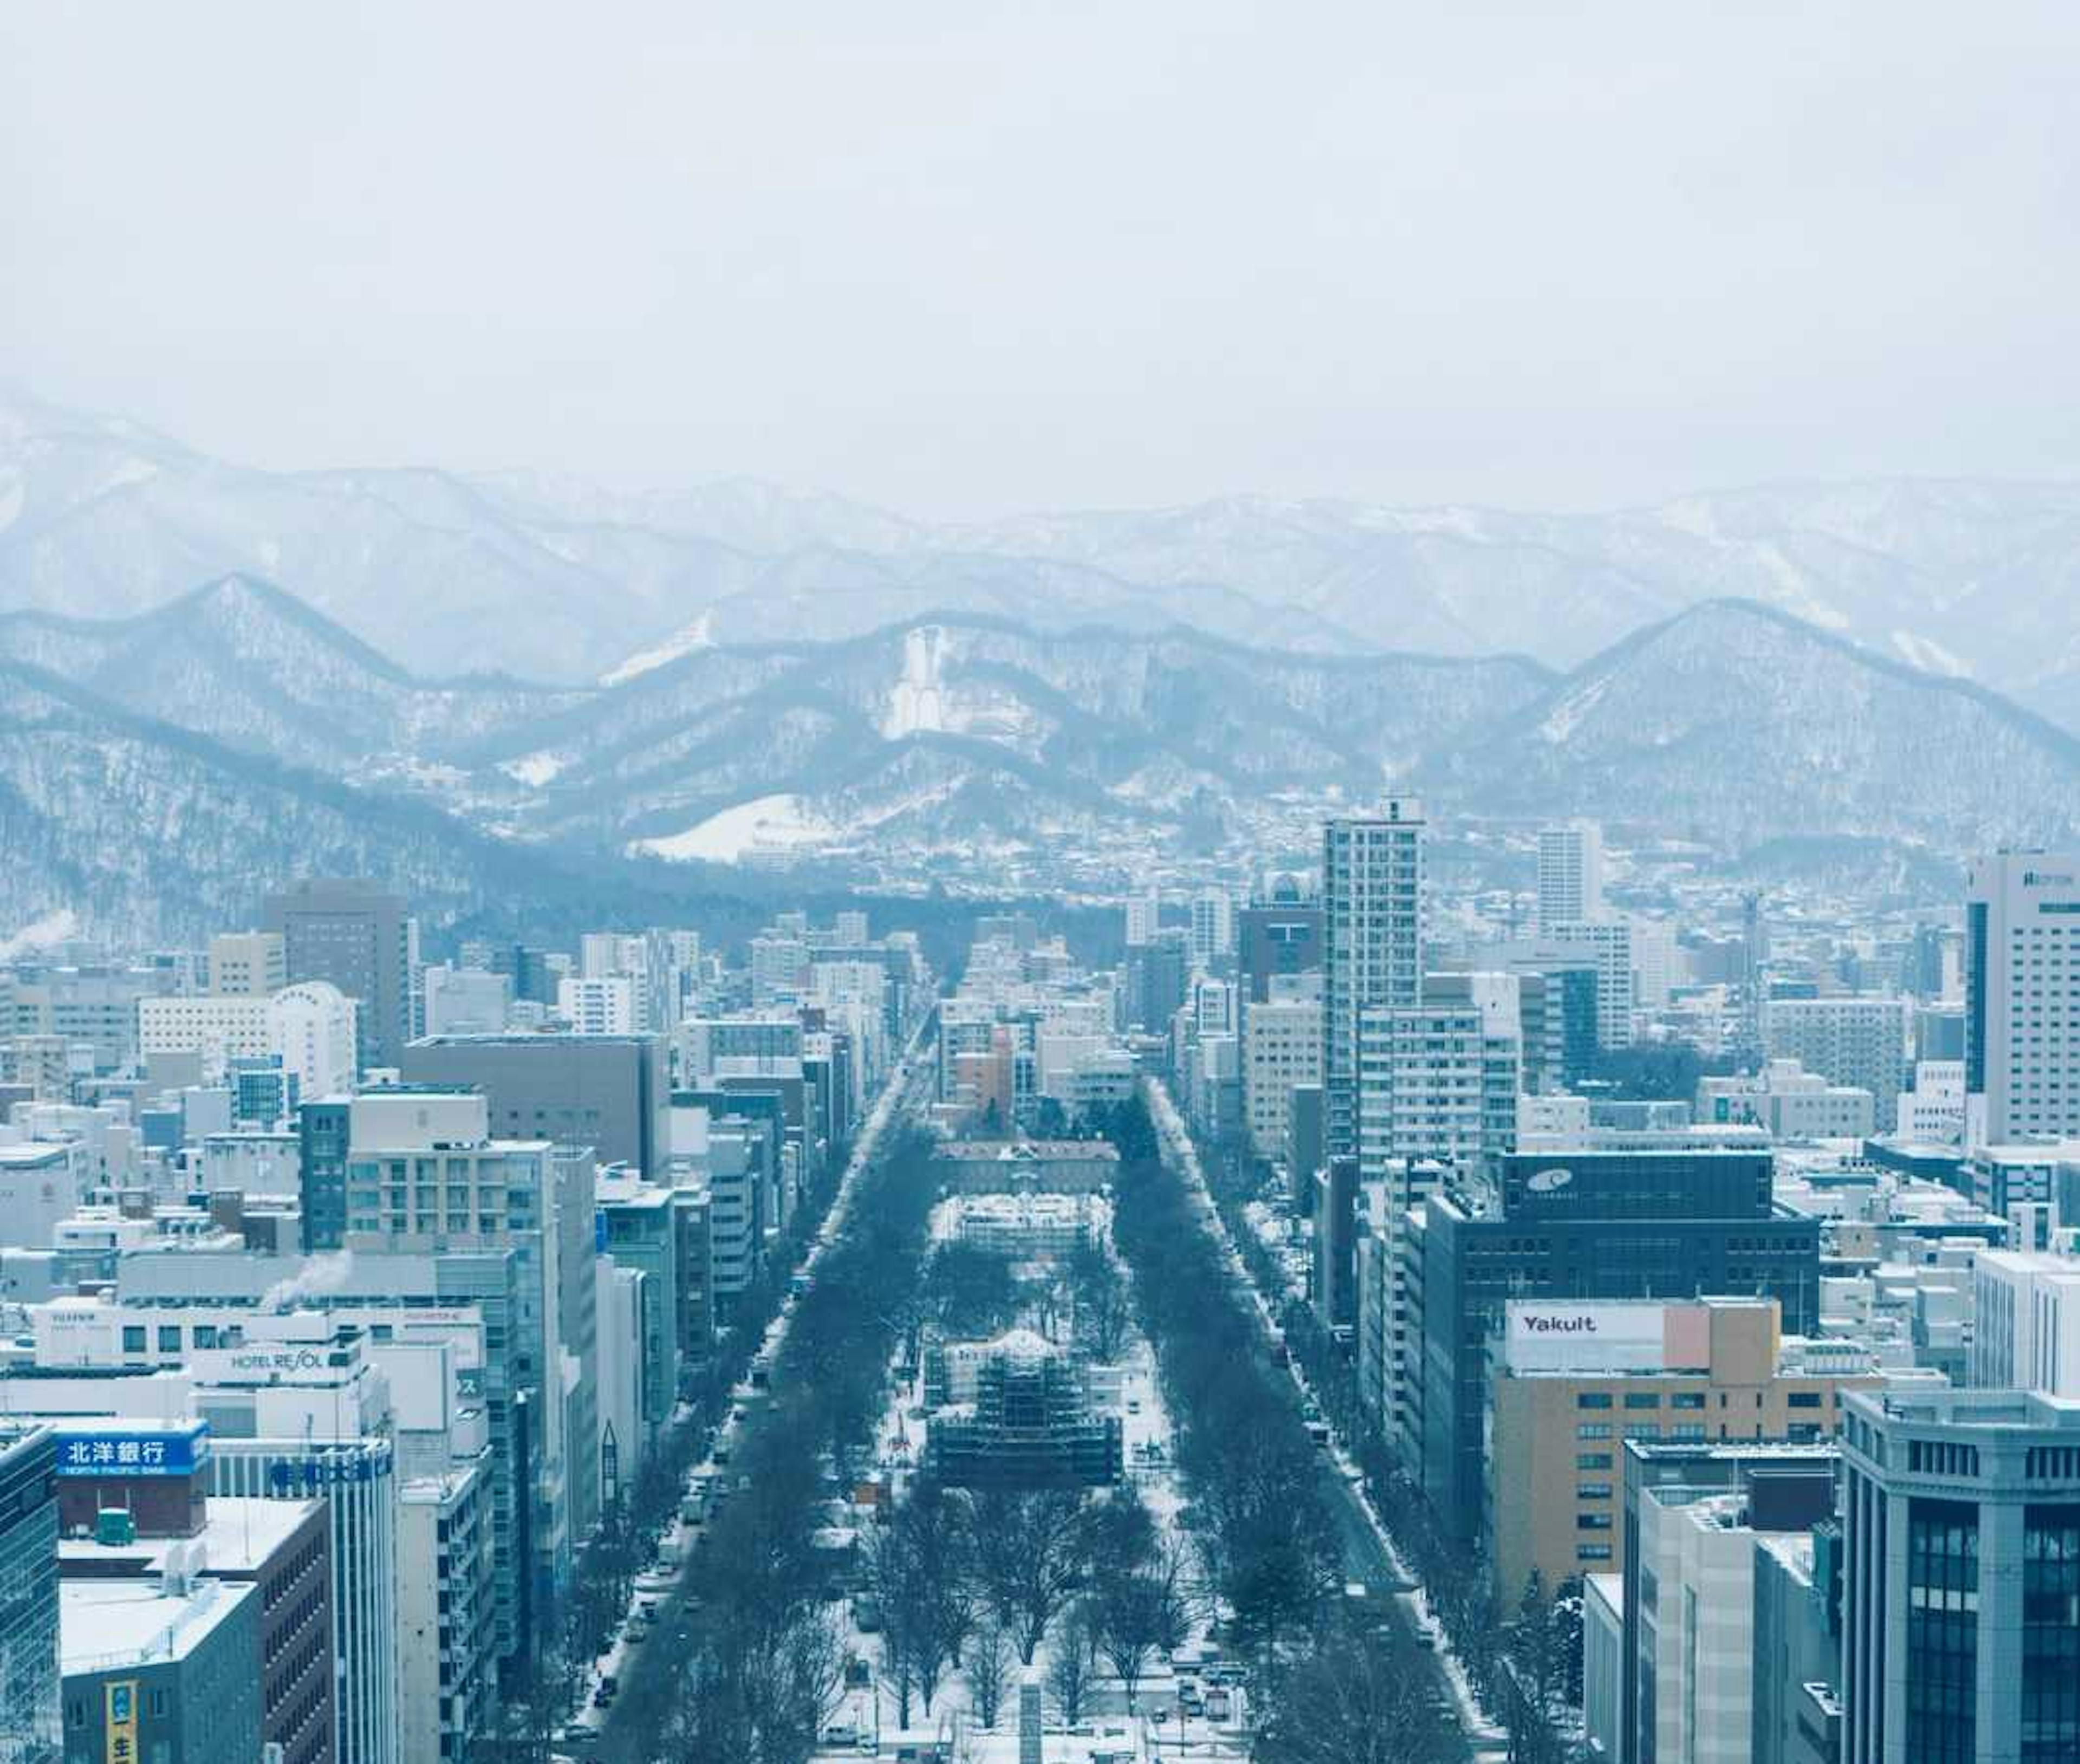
(133,1338)
(1942,1631)
(1593,1399)
(2051,1631)
(1804,1399)
(1643,1399)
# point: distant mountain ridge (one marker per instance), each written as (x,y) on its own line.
(398,672)
(237,733)
(1738,725)
(555,579)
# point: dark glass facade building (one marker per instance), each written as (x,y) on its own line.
(1587,1226)
(30,1719)
(1962,1578)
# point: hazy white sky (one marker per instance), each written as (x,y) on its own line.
(966,257)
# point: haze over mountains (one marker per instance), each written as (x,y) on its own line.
(262,671)
(563,580)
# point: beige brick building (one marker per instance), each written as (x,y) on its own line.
(1574,1380)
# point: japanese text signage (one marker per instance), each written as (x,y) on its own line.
(129,1454)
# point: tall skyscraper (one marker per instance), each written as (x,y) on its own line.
(2021,997)
(1372,943)
(361,939)
(1960,1577)
(1571,874)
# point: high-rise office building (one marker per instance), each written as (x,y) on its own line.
(361,940)
(1372,942)
(1159,975)
(1277,936)
(1960,1577)
(1584,1224)
(2022,999)
(606,1091)
(31,1732)
(1571,874)
(1570,1381)
(1608,944)
(424,1175)
(1696,1513)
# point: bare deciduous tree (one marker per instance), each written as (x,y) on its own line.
(987,1671)
(1070,1664)
(1029,1552)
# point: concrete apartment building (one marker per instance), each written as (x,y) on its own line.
(1282,1040)
(1856,1041)
(1372,942)
(1571,874)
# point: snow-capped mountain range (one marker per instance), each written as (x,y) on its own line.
(571,582)
(1063,685)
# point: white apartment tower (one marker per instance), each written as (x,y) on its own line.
(2021,998)
(1372,942)
(1571,874)
(1144,913)
(1213,928)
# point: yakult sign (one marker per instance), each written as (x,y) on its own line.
(1615,1336)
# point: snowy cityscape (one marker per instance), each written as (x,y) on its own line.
(1039,886)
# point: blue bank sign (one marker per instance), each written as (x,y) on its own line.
(95,1452)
